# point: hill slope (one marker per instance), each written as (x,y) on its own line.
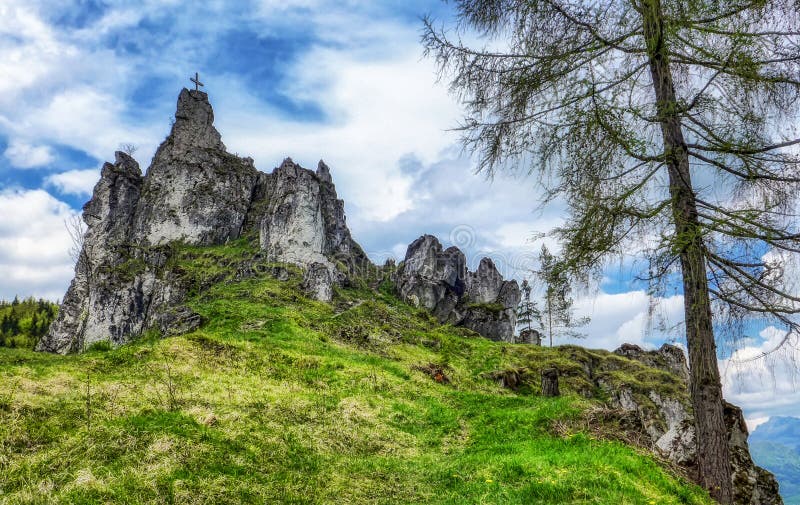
(281,399)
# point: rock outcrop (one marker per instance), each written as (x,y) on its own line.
(669,424)
(195,193)
(439,281)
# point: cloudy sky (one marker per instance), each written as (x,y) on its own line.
(340,80)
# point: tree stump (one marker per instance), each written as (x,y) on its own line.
(550,382)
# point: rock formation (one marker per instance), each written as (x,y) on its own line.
(669,425)
(439,281)
(195,193)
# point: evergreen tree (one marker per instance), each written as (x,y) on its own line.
(528,312)
(557,316)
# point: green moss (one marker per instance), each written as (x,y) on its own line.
(492,308)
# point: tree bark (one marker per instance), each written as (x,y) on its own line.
(550,382)
(705,387)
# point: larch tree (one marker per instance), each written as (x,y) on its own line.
(527,310)
(557,315)
(668,129)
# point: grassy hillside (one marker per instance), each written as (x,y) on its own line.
(279,399)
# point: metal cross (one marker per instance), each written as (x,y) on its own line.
(196,81)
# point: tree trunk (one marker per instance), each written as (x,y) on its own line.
(550,382)
(713,456)
(550,318)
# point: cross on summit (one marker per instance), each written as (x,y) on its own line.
(196,81)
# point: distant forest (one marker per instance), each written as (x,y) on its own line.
(23,323)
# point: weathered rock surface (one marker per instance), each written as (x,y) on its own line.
(670,426)
(195,193)
(439,281)
(668,357)
(194,190)
(433,278)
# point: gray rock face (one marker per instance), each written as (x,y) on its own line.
(194,190)
(439,281)
(85,311)
(196,193)
(669,423)
(301,221)
(668,357)
(433,278)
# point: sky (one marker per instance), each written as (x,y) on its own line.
(344,81)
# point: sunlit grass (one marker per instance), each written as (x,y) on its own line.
(280,399)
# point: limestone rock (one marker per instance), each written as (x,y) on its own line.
(178,320)
(301,221)
(669,424)
(87,305)
(293,228)
(433,278)
(318,281)
(439,281)
(196,193)
(668,357)
(752,484)
(194,190)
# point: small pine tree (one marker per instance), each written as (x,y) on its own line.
(557,313)
(528,312)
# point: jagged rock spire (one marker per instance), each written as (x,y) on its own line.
(439,281)
(196,193)
(193,127)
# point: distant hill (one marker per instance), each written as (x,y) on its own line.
(775,445)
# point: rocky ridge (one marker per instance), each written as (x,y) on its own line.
(196,193)
(439,281)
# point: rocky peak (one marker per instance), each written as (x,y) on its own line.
(324,173)
(197,193)
(194,123)
(288,164)
(483,285)
(109,213)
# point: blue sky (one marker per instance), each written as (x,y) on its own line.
(345,81)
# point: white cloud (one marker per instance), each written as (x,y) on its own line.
(379,111)
(25,155)
(34,244)
(74,182)
(764,385)
(84,118)
(631,317)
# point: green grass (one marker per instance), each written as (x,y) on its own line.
(280,399)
